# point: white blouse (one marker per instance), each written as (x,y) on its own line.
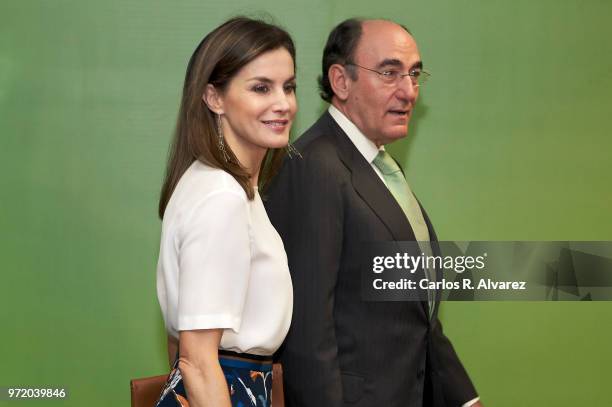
(222,264)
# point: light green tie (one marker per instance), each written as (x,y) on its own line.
(397,185)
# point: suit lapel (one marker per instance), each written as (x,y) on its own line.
(368,185)
(435,247)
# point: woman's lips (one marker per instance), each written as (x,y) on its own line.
(278,125)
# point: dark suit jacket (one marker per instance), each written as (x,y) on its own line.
(342,350)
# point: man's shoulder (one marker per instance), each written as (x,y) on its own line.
(319,159)
(319,140)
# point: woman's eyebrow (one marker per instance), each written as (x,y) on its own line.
(260,79)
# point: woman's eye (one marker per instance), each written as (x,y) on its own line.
(261,89)
(290,88)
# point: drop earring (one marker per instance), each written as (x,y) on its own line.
(221,140)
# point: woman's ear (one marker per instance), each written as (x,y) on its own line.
(339,81)
(213,99)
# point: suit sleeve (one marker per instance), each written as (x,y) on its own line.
(305,205)
(453,382)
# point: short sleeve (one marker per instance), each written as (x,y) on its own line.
(214,263)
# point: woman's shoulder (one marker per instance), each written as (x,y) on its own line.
(201,183)
(201,180)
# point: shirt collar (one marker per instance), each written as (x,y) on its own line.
(364,145)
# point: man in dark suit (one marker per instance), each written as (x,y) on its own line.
(342,350)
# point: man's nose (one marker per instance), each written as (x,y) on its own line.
(407,90)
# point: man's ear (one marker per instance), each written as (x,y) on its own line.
(213,99)
(340,81)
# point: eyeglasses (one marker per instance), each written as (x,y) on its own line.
(393,76)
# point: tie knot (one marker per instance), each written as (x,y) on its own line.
(385,163)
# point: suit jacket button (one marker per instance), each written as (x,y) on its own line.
(420,373)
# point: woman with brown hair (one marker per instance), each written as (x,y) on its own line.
(222,278)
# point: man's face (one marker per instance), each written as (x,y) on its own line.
(382,110)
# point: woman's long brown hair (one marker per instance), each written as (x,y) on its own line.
(218,58)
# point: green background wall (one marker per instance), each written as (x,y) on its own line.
(511,141)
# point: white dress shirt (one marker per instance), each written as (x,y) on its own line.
(364,145)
